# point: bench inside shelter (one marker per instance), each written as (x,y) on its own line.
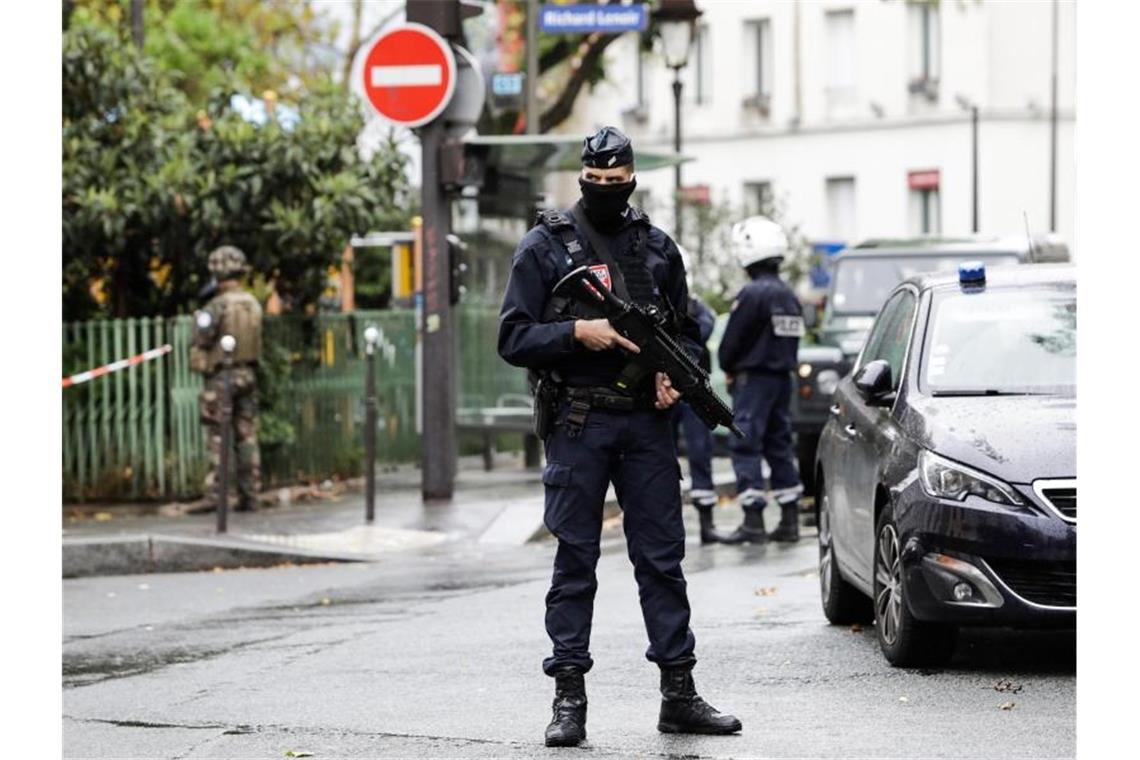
(512,413)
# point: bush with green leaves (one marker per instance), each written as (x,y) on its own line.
(152,183)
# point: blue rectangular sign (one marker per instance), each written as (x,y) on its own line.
(585,19)
(505,85)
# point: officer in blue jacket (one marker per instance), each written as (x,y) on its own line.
(602,434)
(698,437)
(758,352)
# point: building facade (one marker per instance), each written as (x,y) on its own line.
(855,115)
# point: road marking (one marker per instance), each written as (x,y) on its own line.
(407,76)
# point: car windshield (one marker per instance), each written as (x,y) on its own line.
(862,284)
(1002,341)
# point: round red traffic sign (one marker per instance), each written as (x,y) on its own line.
(409,74)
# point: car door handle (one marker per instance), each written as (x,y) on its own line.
(834,410)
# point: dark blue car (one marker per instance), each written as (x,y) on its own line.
(947,489)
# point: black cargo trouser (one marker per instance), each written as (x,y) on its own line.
(636,451)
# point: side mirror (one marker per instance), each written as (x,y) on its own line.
(811,315)
(874,384)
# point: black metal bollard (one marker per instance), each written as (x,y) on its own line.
(228,343)
(371,336)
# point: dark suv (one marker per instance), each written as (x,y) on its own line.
(861,279)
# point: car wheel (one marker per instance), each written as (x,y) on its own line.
(843,604)
(905,641)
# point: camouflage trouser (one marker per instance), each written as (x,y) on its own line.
(243,386)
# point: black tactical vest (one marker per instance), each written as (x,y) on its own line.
(631,279)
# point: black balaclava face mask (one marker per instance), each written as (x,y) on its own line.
(604,203)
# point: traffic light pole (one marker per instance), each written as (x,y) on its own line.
(437,383)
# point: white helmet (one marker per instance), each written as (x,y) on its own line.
(758,239)
(687,262)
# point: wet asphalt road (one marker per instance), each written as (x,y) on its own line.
(436,653)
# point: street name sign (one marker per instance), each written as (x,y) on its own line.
(409,74)
(587,19)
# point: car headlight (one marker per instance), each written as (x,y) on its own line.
(805,371)
(827,381)
(949,480)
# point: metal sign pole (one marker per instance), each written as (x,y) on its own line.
(439,444)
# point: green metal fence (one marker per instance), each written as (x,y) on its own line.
(136,434)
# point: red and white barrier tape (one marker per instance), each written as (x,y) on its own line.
(107,369)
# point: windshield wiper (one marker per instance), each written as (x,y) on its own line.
(984,392)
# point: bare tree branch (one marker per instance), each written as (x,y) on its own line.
(561,109)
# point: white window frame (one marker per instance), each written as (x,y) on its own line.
(842,87)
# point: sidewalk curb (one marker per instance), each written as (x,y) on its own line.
(128,555)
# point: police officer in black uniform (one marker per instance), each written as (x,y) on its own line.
(698,437)
(601,434)
(758,351)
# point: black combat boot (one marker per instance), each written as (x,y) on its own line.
(708,530)
(568,726)
(705,502)
(751,531)
(684,712)
(789,527)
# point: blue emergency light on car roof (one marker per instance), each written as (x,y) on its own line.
(972,273)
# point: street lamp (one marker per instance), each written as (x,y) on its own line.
(968,105)
(676,20)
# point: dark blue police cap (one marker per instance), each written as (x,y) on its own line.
(607,148)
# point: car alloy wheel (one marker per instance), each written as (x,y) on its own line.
(826,554)
(888,574)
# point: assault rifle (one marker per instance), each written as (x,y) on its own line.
(659,351)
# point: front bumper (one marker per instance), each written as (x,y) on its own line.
(1019,562)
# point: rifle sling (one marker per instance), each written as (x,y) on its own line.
(601,248)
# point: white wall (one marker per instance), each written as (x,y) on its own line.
(993,52)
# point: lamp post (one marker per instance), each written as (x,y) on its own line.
(967,104)
(676,20)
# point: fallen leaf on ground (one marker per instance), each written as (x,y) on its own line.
(766,591)
(856,628)
(103,517)
(1006,684)
(1007,705)
(298,753)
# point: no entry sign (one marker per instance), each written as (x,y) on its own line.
(409,74)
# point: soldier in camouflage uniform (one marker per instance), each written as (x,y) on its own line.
(232,311)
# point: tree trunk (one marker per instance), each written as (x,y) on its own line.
(354,44)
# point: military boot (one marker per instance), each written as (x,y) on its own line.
(705,501)
(684,712)
(789,527)
(751,531)
(568,726)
